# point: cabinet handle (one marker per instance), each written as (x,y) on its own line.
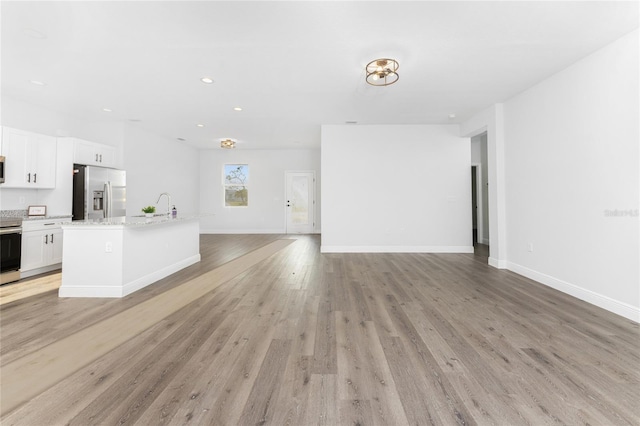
(51,238)
(35,177)
(28,177)
(101,158)
(46,239)
(96,158)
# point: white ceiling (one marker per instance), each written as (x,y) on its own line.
(291,66)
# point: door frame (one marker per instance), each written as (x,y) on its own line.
(479,209)
(312,194)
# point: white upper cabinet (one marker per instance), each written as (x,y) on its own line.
(30,159)
(93,154)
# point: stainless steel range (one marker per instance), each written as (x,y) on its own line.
(10,248)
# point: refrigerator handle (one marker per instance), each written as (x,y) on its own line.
(105,200)
(110,200)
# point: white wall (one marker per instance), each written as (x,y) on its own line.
(155,165)
(266,211)
(571,155)
(401,188)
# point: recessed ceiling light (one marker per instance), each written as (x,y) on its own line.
(107,110)
(207,80)
(452,116)
(37,82)
(200,125)
(237,109)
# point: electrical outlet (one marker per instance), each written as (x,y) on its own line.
(530,247)
(108,247)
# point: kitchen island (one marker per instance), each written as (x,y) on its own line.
(117,256)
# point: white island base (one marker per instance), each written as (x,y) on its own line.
(115,257)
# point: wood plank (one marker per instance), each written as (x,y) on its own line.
(356,412)
(420,406)
(291,405)
(363,370)
(260,408)
(27,288)
(324,354)
(322,405)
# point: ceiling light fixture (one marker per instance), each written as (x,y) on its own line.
(207,80)
(237,109)
(37,82)
(107,110)
(227,144)
(200,125)
(382,72)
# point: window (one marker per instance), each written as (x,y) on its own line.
(235,182)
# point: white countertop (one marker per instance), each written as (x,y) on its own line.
(48,217)
(131,221)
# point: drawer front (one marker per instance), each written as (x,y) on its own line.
(44,224)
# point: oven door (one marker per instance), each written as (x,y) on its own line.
(10,249)
(1,169)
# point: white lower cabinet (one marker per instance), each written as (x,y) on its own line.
(41,246)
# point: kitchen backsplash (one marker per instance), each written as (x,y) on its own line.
(13,213)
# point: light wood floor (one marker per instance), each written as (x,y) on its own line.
(29,287)
(352,339)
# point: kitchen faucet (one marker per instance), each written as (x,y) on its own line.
(168,201)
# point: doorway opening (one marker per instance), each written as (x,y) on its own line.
(479,212)
(480,194)
(474,204)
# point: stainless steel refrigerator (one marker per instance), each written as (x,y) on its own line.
(98,192)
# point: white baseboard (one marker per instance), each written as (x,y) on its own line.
(127,288)
(396,249)
(90,291)
(496,263)
(151,278)
(599,300)
(243,231)
(38,271)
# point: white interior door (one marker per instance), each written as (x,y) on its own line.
(300,202)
